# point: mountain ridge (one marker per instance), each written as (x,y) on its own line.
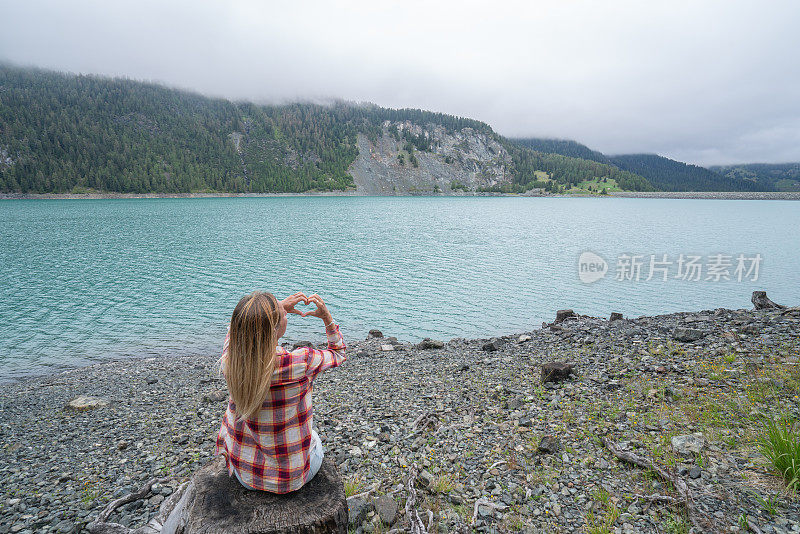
(779,176)
(662,172)
(66,133)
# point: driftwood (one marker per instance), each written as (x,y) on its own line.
(101,525)
(213,503)
(660,498)
(416,526)
(365,494)
(680,485)
(426,420)
(762,302)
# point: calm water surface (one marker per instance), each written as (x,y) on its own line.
(87,280)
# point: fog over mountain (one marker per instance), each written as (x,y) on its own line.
(708,82)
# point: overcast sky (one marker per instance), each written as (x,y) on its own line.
(700,81)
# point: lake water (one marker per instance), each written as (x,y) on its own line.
(88,280)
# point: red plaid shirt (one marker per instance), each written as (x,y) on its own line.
(270,451)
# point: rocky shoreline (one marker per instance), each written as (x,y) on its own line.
(497,449)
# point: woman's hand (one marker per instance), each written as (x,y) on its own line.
(321,311)
(290,302)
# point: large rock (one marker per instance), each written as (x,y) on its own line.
(386,508)
(549,445)
(556,371)
(429,343)
(688,444)
(357,510)
(682,333)
(425,480)
(218,395)
(215,503)
(492,345)
(84,402)
(374,334)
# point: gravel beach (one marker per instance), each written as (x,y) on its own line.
(685,390)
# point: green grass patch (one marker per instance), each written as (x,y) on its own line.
(779,442)
(443,484)
(595,186)
(353,486)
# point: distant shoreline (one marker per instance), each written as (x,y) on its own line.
(724,195)
(720,195)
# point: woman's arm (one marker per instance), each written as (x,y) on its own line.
(320,360)
(225,351)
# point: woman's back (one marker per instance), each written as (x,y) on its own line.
(271,449)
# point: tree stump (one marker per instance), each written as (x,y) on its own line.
(761,302)
(216,503)
(563,315)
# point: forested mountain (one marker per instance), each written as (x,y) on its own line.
(571,162)
(62,133)
(670,175)
(68,133)
(564,147)
(569,170)
(769,176)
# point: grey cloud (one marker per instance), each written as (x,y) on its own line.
(703,81)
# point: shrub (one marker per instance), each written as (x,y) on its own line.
(443,484)
(780,444)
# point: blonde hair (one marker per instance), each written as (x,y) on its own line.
(252,351)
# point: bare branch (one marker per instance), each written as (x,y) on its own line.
(415,522)
(102,517)
(680,485)
(660,498)
(364,494)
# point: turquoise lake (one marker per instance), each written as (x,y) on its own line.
(89,280)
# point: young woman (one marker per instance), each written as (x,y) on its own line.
(266,433)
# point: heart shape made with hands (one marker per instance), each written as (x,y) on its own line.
(305,302)
(306,312)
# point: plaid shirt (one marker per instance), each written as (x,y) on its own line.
(271,450)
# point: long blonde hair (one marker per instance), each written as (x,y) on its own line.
(252,351)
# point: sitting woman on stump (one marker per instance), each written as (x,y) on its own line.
(266,433)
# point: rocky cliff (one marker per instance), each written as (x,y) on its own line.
(452,160)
